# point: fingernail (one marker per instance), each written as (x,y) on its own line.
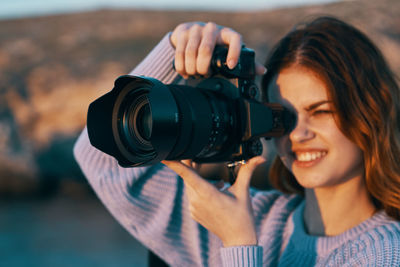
(231,63)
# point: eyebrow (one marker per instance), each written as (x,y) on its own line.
(317,104)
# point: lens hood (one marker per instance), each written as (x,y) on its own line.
(105,125)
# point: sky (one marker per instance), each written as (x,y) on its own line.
(27,8)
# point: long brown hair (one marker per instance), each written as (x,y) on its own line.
(364,94)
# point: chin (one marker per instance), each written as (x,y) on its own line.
(310,182)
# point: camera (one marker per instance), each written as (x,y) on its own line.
(142,121)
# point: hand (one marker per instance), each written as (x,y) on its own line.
(194,45)
(228,214)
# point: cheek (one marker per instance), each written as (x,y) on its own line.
(349,151)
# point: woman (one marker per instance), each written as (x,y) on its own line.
(337,170)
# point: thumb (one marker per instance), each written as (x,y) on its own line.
(242,183)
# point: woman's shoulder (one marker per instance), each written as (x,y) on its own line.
(384,237)
(377,245)
(381,230)
(380,245)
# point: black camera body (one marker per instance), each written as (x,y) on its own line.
(143,121)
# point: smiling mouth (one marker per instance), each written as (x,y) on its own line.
(305,157)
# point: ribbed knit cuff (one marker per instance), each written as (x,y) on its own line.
(242,256)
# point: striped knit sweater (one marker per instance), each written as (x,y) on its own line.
(150,202)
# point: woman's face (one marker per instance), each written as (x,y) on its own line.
(315,151)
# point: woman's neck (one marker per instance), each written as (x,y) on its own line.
(331,211)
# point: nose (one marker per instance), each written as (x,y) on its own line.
(302,131)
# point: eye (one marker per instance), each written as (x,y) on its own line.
(320,112)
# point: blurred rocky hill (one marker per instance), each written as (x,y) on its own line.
(53,67)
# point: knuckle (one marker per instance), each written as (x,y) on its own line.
(184,26)
(226,30)
(195,29)
(180,29)
(211,26)
(181,26)
(237,37)
(232,33)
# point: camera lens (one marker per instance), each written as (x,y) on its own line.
(135,121)
(140,123)
(145,121)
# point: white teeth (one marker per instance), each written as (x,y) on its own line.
(309,156)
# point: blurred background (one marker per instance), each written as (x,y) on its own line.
(57,56)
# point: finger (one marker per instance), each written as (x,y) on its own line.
(181,42)
(242,183)
(192,46)
(206,48)
(197,183)
(181,28)
(234,41)
(260,69)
